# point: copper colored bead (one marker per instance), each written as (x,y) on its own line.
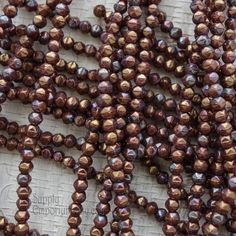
(10,11)
(166,26)
(141,202)
(39,21)
(172,218)
(54,46)
(73,232)
(123,213)
(100,221)
(134,11)
(43,10)
(23,180)
(22,216)
(151,208)
(58,21)
(129,233)
(169,230)
(85,26)
(125,225)
(11,144)
(228,69)
(99,11)
(96,231)
(74,221)
(3,222)
(9,230)
(79,197)
(21,229)
(210,230)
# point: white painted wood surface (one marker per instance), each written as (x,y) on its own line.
(52,186)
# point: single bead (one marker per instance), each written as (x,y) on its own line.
(99,11)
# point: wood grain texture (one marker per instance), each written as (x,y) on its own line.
(52,185)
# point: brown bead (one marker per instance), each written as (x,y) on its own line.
(74,221)
(228,69)
(99,11)
(210,230)
(129,233)
(3,222)
(22,216)
(43,10)
(169,230)
(116,163)
(10,11)
(96,231)
(39,21)
(172,218)
(151,208)
(23,205)
(9,230)
(73,232)
(21,229)
(141,202)
(100,221)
